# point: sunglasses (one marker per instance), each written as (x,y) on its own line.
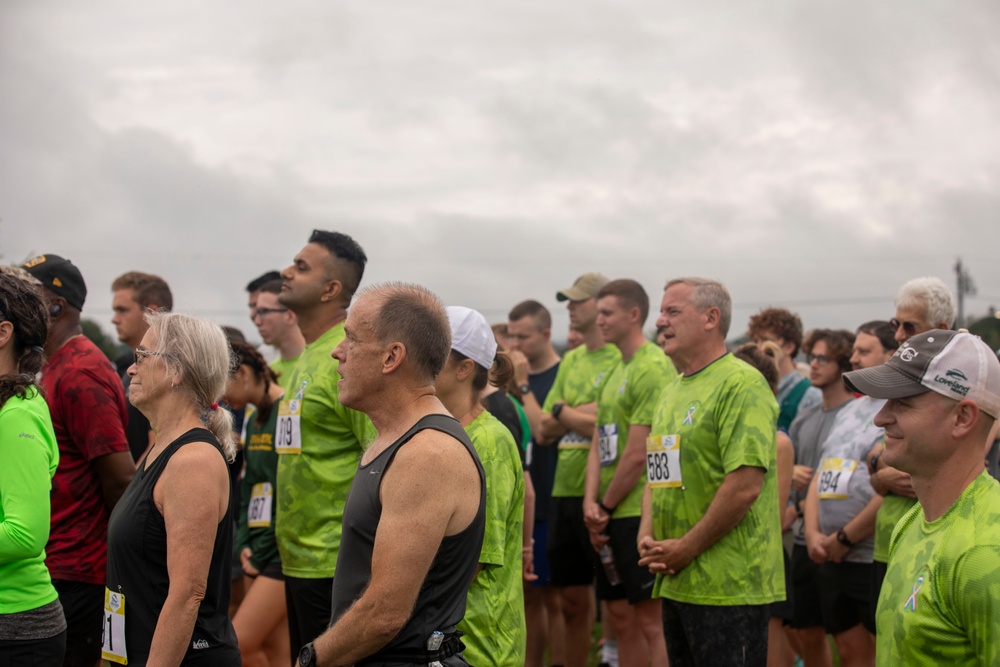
(820,359)
(141,355)
(910,328)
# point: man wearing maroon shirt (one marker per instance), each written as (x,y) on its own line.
(87,404)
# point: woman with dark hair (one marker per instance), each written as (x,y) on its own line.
(170,540)
(494,618)
(32,625)
(261,623)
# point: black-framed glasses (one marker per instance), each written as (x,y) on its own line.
(263,312)
(820,359)
(141,354)
(909,328)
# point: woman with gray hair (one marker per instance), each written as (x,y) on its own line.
(169,537)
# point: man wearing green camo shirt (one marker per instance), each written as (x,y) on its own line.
(710,522)
(616,473)
(939,603)
(568,418)
(318,440)
(922,304)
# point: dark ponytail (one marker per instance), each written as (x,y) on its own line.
(21,304)
(247,355)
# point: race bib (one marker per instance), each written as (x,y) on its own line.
(663,461)
(259,510)
(607,443)
(113,630)
(288,433)
(573,440)
(834,476)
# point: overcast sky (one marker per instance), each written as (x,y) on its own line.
(809,154)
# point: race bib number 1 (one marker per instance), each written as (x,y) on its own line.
(259,509)
(607,443)
(663,461)
(113,629)
(834,476)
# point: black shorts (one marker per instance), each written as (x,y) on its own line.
(785,609)
(272,571)
(708,636)
(806,599)
(845,590)
(878,576)
(83,606)
(637,582)
(569,547)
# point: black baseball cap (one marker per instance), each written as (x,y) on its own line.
(60,276)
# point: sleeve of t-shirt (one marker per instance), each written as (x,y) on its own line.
(92,413)
(499,489)
(646,386)
(975,597)
(746,422)
(25,483)
(556,392)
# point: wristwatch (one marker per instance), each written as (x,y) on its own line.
(524,388)
(873,467)
(307,656)
(842,538)
(556,409)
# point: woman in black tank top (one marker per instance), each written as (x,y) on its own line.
(169,537)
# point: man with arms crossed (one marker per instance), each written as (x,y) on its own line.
(616,470)
(415,517)
(939,602)
(710,524)
(318,439)
(568,418)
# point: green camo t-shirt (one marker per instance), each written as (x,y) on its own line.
(578,382)
(724,417)
(494,616)
(892,510)
(628,397)
(940,602)
(284,368)
(313,485)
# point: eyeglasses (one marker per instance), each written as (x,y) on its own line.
(263,312)
(141,354)
(820,359)
(910,328)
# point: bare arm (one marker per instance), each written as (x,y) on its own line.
(737,493)
(861,527)
(785,464)
(528,540)
(580,419)
(192,494)
(810,519)
(594,517)
(417,513)
(115,472)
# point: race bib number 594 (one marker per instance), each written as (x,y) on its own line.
(663,461)
(834,476)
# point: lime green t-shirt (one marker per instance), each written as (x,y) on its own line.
(578,382)
(940,601)
(892,510)
(722,418)
(284,368)
(313,485)
(494,624)
(629,396)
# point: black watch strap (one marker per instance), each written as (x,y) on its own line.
(524,388)
(307,656)
(843,539)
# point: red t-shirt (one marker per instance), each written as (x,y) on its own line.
(87,403)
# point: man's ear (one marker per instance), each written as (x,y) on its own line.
(393,357)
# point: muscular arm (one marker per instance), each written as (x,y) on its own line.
(417,513)
(192,494)
(630,467)
(115,472)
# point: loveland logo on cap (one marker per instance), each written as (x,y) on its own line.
(955,380)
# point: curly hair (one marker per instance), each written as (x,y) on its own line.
(245,354)
(21,304)
(764,359)
(782,323)
(839,345)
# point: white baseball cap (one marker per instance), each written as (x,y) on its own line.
(472,336)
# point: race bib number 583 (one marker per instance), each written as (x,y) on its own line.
(663,461)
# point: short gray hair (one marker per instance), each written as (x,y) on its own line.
(931,293)
(709,294)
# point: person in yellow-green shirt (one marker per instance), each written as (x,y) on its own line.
(939,602)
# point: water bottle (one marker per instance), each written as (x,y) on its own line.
(608,561)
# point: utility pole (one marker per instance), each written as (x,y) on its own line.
(965,286)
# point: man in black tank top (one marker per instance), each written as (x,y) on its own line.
(414,519)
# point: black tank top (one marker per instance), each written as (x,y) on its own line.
(137,568)
(441,601)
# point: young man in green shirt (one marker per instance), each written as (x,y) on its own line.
(710,522)
(616,471)
(939,602)
(279,328)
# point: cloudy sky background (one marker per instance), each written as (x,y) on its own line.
(809,154)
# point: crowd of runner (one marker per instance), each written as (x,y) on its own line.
(203,501)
